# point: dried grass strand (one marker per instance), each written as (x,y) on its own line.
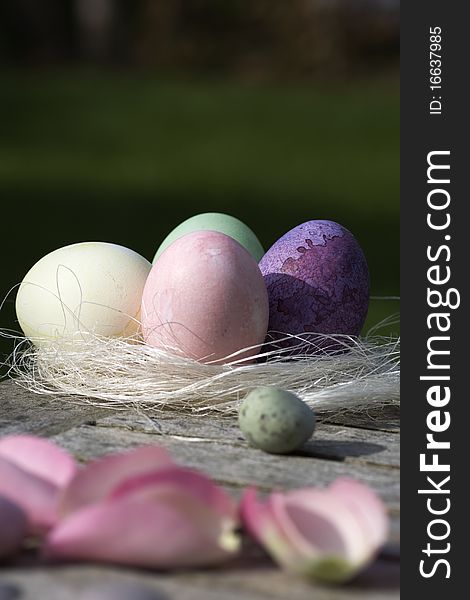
(121,374)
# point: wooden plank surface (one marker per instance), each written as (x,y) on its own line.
(362,445)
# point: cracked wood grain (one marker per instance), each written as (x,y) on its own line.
(365,446)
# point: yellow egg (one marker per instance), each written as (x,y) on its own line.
(86,288)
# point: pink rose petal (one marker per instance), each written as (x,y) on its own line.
(100,477)
(36,496)
(259,520)
(13,527)
(142,533)
(173,483)
(366,506)
(256,516)
(40,457)
(328,533)
(316,523)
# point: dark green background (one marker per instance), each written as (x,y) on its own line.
(89,155)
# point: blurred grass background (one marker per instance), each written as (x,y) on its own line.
(93,152)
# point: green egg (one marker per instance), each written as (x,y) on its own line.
(275,420)
(216,222)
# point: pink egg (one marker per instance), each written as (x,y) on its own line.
(205,298)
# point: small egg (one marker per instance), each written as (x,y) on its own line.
(275,420)
(227,224)
(317,280)
(205,299)
(86,288)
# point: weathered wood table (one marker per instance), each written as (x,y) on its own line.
(365,446)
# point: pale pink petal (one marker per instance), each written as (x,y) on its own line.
(319,533)
(98,479)
(140,533)
(13,527)
(296,536)
(316,523)
(40,457)
(256,516)
(36,496)
(367,507)
(168,485)
(258,519)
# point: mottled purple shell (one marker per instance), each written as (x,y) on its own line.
(317,280)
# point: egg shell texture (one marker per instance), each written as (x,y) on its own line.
(89,287)
(220,222)
(275,420)
(205,298)
(317,280)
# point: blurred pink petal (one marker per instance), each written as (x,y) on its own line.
(32,470)
(36,496)
(98,479)
(322,533)
(144,533)
(139,508)
(256,516)
(13,527)
(40,457)
(366,505)
(260,522)
(172,484)
(316,529)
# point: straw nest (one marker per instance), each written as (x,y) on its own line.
(332,373)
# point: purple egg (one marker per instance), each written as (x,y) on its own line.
(317,280)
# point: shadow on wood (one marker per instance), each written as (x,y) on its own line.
(337,450)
